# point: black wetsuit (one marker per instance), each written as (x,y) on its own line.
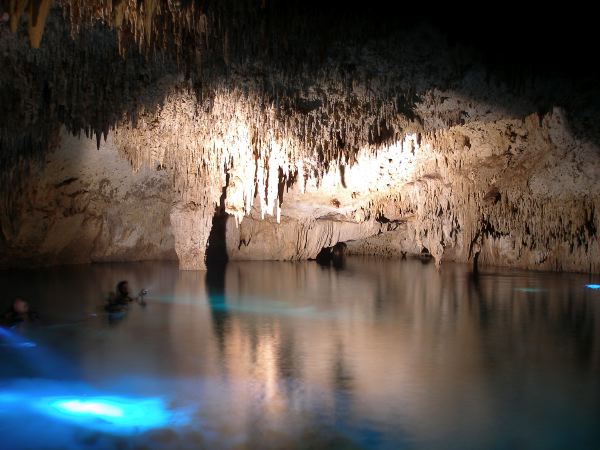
(12,318)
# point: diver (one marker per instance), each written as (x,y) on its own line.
(20,313)
(119,301)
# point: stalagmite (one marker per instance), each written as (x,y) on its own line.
(191,225)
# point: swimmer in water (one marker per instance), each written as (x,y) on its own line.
(120,301)
(20,313)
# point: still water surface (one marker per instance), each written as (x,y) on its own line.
(384,354)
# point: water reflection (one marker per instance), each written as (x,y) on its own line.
(382,354)
(445,355)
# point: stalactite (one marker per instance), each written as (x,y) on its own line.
(16,9)
(38,11)
(259,113)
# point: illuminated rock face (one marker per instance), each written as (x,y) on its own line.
(520,193)
(86,205)
(373,145)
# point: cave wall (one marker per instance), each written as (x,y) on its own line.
(518,192)
(84,204)
(305,130)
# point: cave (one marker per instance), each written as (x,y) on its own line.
(298,224)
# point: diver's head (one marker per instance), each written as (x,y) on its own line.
(20,306)
(123,287)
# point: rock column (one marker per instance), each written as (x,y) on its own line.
(191,225)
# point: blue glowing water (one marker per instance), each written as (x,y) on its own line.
(87,409)
(381,355)
(106,409)
(112,414)
(529,289)
(8,338)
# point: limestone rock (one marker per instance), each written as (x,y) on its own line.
(86,205)
(191,226)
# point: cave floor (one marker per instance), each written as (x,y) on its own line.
(382,354)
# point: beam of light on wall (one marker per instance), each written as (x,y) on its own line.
(250,175)
(401,157)
(592,286)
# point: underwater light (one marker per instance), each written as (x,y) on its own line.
(87,407)
(592,286)
(26,344)
(79,404)
(112,414)
(14,340)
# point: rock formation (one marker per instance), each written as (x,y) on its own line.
(85,205)
(392,140)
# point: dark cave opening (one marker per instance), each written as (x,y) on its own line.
(333,256)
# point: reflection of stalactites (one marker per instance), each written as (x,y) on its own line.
(215,289)
(342,377)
